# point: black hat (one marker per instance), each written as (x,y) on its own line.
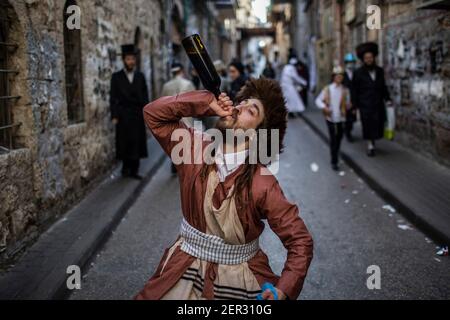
(363,48)
(128,49)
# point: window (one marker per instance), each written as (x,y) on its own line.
(152,70)
(7,101)
(138,47)
(72,55)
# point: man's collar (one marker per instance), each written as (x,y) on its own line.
(231,160)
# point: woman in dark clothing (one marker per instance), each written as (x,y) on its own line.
(236,70)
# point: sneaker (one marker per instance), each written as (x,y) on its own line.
(335,167)
(443,251)
(371,152)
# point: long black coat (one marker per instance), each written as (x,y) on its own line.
(369,97)
(127,101)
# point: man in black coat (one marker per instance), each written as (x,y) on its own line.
(128,97)
(369,94)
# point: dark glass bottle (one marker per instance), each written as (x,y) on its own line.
(201,61)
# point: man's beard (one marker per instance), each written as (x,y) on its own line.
(129,68)
(370,66)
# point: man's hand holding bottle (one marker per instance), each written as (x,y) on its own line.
(223,106)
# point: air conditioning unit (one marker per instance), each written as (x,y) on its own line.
(434,4)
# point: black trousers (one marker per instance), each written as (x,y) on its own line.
(350,119)
(335,131)
(349,128)
(130,166)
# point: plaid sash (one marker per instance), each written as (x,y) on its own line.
(213,248)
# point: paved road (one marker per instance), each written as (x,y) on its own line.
(351,232)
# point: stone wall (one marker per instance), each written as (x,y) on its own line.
(57,162)
(414,50)
(417,62)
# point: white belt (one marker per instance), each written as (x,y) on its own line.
(213,248)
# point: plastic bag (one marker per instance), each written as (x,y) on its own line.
(390,123)
(269,286)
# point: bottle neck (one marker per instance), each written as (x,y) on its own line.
(216,92)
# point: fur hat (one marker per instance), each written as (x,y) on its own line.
(363,48)
(268,91)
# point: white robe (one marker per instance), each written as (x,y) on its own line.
(290,81)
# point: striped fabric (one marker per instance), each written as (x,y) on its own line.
(221,292)
(213,248)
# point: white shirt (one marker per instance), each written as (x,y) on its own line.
(335,102)
(349,73)
(373,75)
(130,75)
(227,163)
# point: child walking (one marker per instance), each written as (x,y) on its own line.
(334,100)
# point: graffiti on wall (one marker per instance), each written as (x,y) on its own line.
(417,63)
(416,59)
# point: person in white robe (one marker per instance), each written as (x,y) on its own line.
(290,83)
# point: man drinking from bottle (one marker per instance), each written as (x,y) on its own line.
(224,202)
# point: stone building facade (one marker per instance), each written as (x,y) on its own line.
(48,157)
(417,61)
(56,135)
(206,18)
(414,50)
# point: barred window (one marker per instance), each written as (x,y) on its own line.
(7,75)
(72,55)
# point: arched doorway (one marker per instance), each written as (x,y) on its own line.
(138,44)
(176,33)
(152,70)
(73,65)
